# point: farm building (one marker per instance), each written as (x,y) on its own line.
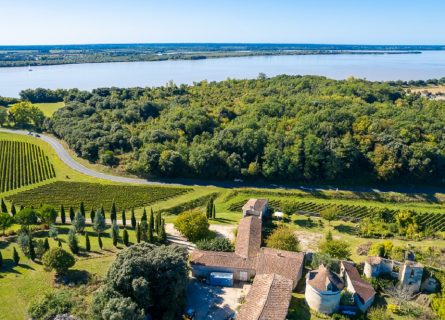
(375,266)
(362,291)
(268,298)
(323,290)
(255,207)
(410,275)
(274,272)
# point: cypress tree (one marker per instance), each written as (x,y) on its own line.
(59,242)
(125,238)
(213,212)
(115,233)
(32,252)
(4,208)
(73,243)
(152,220)
(1,260)
(15,256)
(124,218)
(92,214)
(163,234)
(62,214)
(208,210)
(138,233)
(133,219)
(144,215)
(100,242)
(72,214)
(82,209)
(158,222)
(13,210)
(144,230)
(113,213)
(150,235)
(46,244)
(87,243)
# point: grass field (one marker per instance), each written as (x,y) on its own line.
(48,109)
(27,281)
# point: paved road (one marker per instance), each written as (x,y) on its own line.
(71,162)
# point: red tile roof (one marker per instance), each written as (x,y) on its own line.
(324,279)
(248,240)
(268,298)
(362,288)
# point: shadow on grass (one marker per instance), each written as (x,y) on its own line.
(75,277)
(343,228)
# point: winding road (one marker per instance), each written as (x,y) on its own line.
(64,155)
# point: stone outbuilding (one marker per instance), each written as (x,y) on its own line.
(410,275)
(376,266)
(362,291)
(323,290)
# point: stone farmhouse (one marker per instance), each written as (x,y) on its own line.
(275,273)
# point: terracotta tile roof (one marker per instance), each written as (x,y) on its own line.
(324,279)
(268,298)
(220,259)
(256,204)
(363,289)
(284,263)
(248,240)
(373,260)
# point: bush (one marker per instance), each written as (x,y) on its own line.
(283,238)
(59,260)
(50,305)
(378,313)
(215,244)
(337,249)
(192,225)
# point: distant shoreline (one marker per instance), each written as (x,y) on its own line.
(46,55)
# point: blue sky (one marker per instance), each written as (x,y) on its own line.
(273,21)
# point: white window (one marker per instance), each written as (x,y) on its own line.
(243,276)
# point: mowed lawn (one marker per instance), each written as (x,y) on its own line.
(19,285)
(48,109)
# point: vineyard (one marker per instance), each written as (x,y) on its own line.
(435,221)
(22,164)
(94,195)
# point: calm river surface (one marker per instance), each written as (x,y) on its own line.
(429,64)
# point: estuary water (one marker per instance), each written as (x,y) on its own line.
(427,65)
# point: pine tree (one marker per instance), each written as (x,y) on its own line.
(31,250)
(125,238)
(87,243)
(72,214)
(163,234)
(213,212)
(99,224)
(102,210)
(329,236)
(46,244)
(99,239)
(113,213)
(62,214)
(115,233)
(82,209)
(138,233)
(15,256)
(73,243)
(79,222)
(124,218)
(59,243)
(92,214)
(13,210)
(3,206)
(1,260)
(133,219)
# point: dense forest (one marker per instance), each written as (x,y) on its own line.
(286,128)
